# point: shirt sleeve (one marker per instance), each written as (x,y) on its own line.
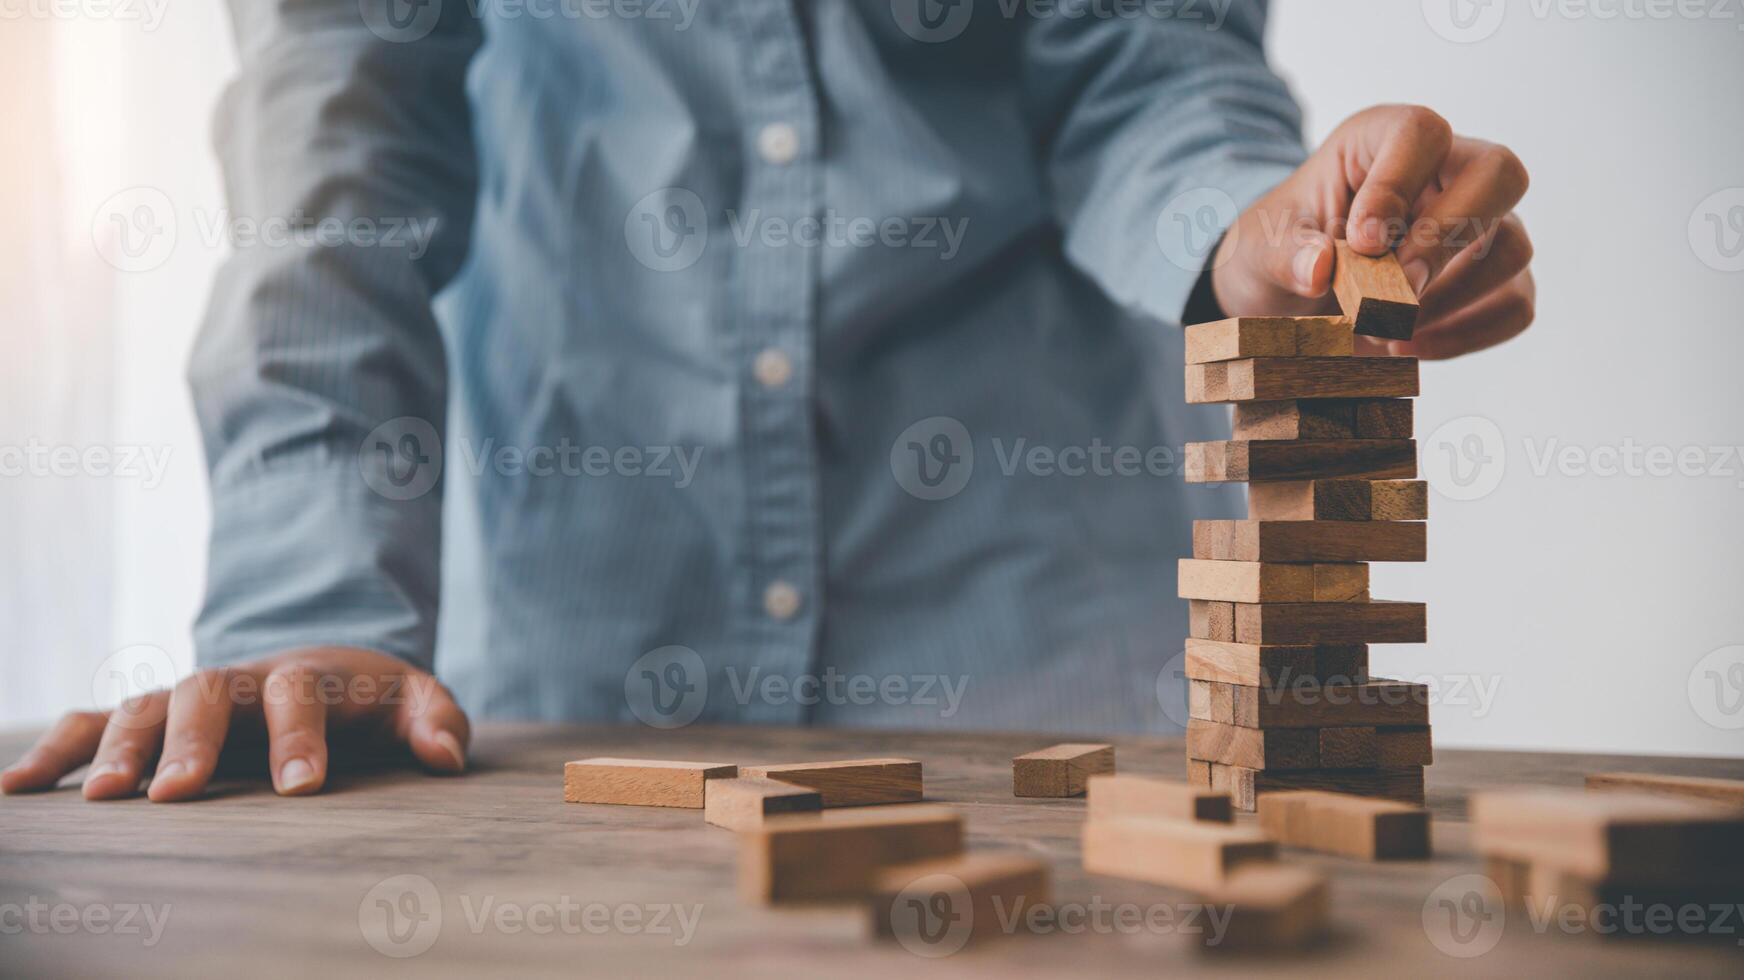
(1157,130)
(319,377)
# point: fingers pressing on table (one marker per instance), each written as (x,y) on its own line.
(199,720)
(296,728)
(130,743)
(67,746)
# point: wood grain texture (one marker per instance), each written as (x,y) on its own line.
(1339,500)
(1190,854)
(1727,791)
(1286,378)
(1621,836)
(1305,623)
(1241,462)
(640,782)
(850,782)
(1325,418)
(1060,770)
(1269,336)
(1374,293)
(1378,703)
(1211,620)
(1271,907)
(744,802)
(983,889)
(1252,665)
(837,854)
(1403,746)
(1351,826)
(1236,581)
(1245,786)
(1254,748)
(1126,795)
(1347,747)
(1310,541)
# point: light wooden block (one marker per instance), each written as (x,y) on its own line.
(850,782)
(1621,836)
(1271,907)
(1199,776)
(1512,879)
(1307,623)
(1253,665)
(1127,795)
(744,802)
(1060,770)
(1211,620)
(1240,581)
(1310,541)
(1376,703)
(641,782)
(837,854)
(1339,500)
(1211,702)
(1395,747)
(1725,791)
(1254,748)
(1374,293)
(1352,826)
(1236,461)
(1245,786)
(982,889)
(1269,336)
(1192,854)
(1290,378)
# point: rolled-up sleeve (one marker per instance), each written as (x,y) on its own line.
(1157,130)
(319,376)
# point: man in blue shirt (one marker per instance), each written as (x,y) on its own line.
(778,362)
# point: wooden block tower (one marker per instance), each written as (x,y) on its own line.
(1277,659)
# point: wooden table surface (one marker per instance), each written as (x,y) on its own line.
(245,884)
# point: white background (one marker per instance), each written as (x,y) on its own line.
(1568,609)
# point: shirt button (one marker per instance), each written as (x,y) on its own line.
(778,143)
(772,368)
(781,600)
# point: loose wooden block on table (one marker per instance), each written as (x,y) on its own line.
(1271,906)
(1310,541)
(850,782)
(1246,785)
(1339,823)
(837,854)
(1245,581)
(1060,770)
(983,889)
(743,802)
(1307,623)
(1253,665)
(1270,379)
(1629,837)
(1147,796)
(1325,418)
(1269,336)
(1374,293)
(1236,461)
(1377,703)
(641,782)
(1191,854)
(1339,500)
(1726,791)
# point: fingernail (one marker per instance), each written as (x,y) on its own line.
(296,775)
(1417,274)
(1303,266)
(172,769)
(451,745)
(103,769)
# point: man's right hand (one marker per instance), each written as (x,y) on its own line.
(304,702)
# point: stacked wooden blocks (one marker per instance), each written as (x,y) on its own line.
(1280,612)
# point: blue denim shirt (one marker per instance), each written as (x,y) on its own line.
(727,360)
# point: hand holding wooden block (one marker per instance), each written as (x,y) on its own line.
(641,782)
(1374,293)
(1060,770)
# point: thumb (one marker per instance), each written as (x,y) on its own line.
(432,724)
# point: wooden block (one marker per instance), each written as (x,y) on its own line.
(1399,500)
(1325,419)
(1384,418)
(1376,703)
(1334,582)
(1348,747)
(1254,748)
(1060,770)
(640,782)
(1199,776)
(1260,461)
(1616,836)
(1316,541)
(1339,500)
(1608,908)
(1126,795)
(850,782)
(1211,620)
(1199,699)
(1374,293)
(1726,791)
(1511,878)
(837,854)
(1269,336)
(1352,826)
(1252,665)
(984,890)
(1396,747)
(1271,379)
(1306,623)
(1242,581)
(1191,854)
(1271,907)
(1404,785)
(744,802)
